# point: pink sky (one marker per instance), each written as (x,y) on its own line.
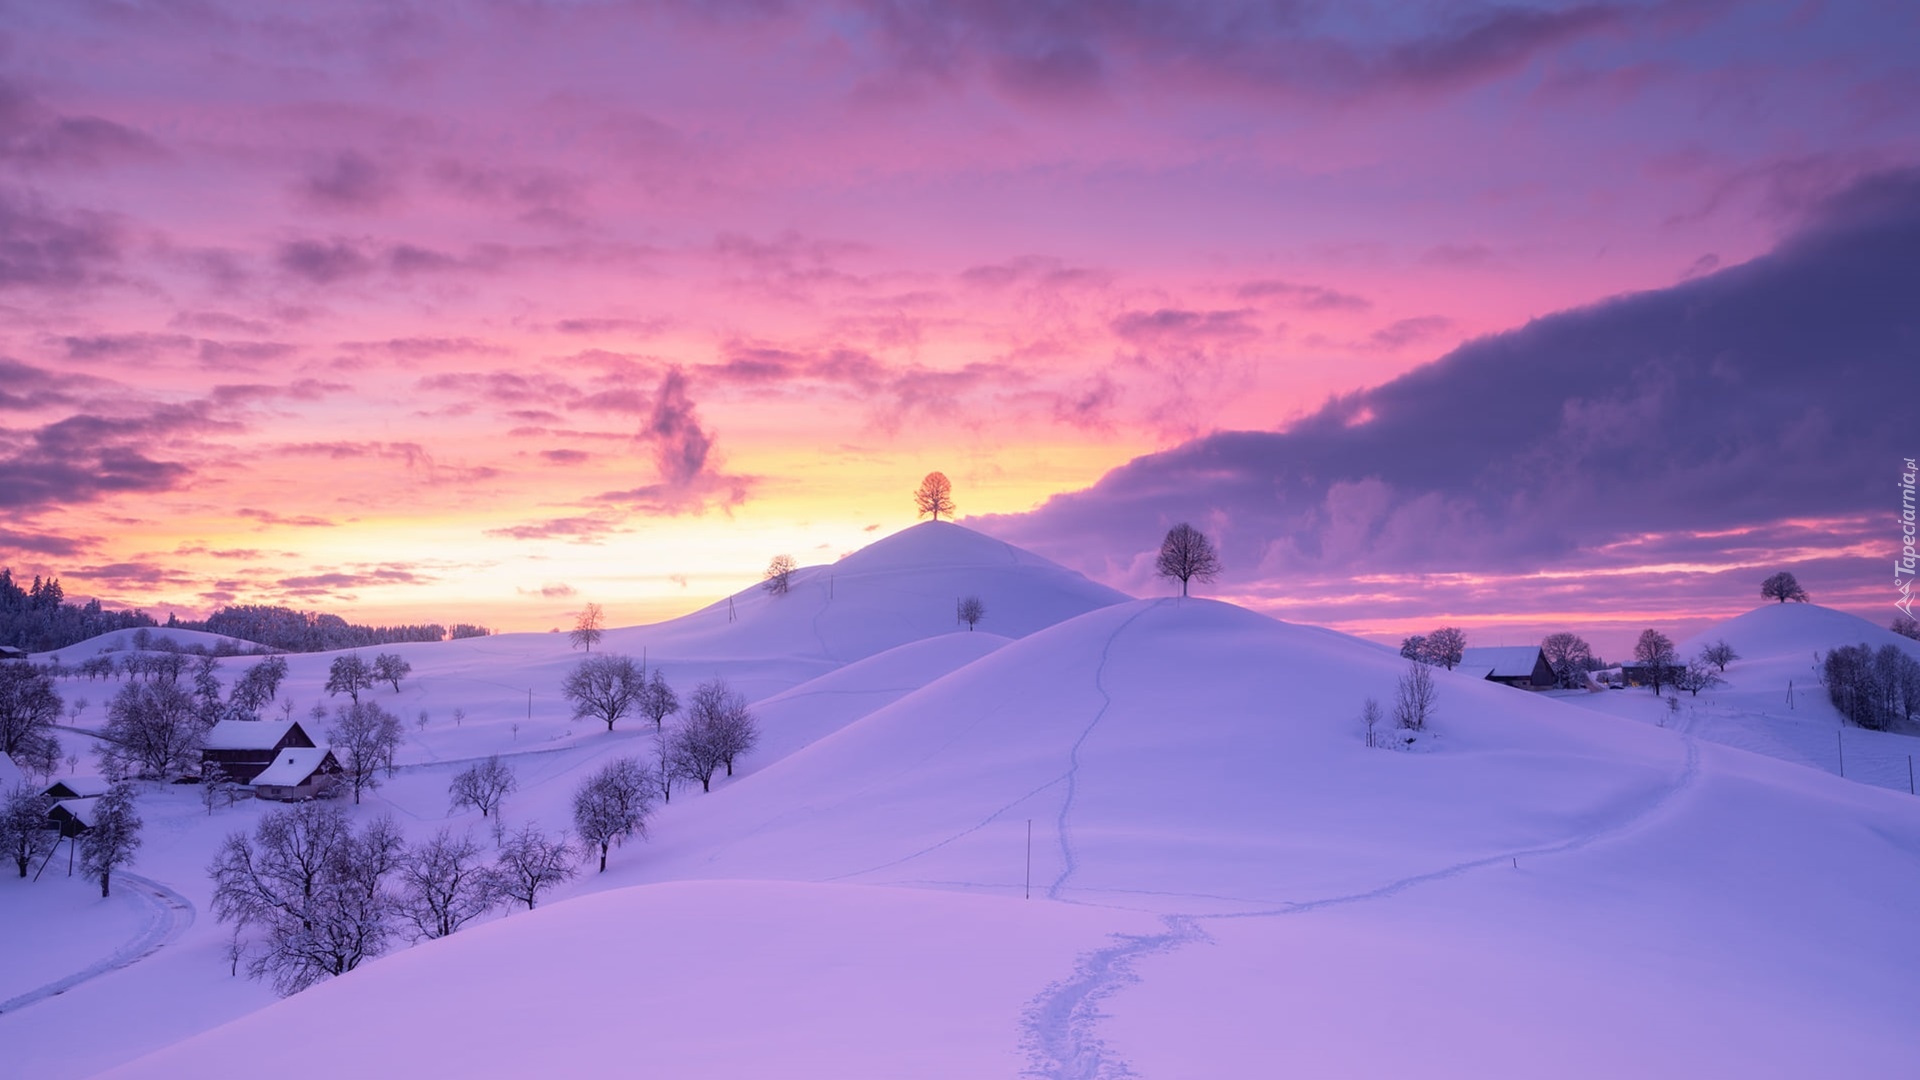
(479,312)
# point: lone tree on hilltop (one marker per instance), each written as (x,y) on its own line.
(604,688)
(589,628)
(1187,554)
(1783,587)
(779,575)
(1905,626)
(935,496)
(970,611)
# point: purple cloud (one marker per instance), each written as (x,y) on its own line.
(1762,394)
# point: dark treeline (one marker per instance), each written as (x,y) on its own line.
(39,619)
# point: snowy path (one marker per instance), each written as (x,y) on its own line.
(1060,1024)
(168,916)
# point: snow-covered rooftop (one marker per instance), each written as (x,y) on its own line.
(1500,661)
(249,734)
(291,767)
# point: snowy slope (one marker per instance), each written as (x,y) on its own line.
(1773,703)
(1223,878)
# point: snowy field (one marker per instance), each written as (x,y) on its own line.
(1096,837)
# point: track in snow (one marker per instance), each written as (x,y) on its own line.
(1062,1040)
(169,914)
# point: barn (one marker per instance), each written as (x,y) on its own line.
(242,748)
(1524,666)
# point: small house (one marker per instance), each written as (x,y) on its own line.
(72,817)
(1524,666)
(301,772)
(242,748)
(78,787)
(11,776)
(12,652)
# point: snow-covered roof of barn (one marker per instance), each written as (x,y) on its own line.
(1502,661)
(249,734)
(292,767)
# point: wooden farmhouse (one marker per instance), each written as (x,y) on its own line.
(72,816)
(1524,666)
(242,748)
(301,772)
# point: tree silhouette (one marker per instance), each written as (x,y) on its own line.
(1783,587)
(935,496)
(586,632)
(1185,554)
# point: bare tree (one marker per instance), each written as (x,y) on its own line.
(153,729)
(1370,716)
(1186,554)
(589,628)
(935,496)
(315,889)
(722,721)
(1568,654)
(1783,587)
(390,668)
(531,863)
(216,787)
(970,610)
(364,737)
(659,701)
(483,786)
(613,804)
(1905,626)
(113,837)
(1719,654)
(1415,697)
(779,575)
(444,885)
(258,685)
(693,754)
(604,688)
(29,707)
(1696,676)
(23,827)
(1446,646)
(1657,658)
(349,675)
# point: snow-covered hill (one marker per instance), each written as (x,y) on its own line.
(1224,879)
(1773,703)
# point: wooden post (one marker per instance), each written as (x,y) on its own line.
(1839,739)
(1029,887)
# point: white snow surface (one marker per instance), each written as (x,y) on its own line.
(1224,880)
